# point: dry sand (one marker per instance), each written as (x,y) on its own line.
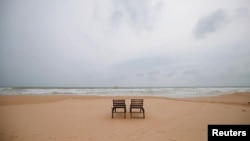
(82,118)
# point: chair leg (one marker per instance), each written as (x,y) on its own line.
(125,112)
(113,112)
(130,113)
(143,113)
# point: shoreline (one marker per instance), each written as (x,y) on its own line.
(234,98)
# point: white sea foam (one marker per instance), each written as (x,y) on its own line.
(162,92)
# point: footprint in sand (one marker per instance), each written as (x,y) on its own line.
(52,138)
(72,137)
(13,136)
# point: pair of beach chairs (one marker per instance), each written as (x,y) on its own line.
(135,104)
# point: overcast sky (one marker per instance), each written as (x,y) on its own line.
(124,43)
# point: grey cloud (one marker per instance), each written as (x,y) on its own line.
(140,14)
(139,75)
(242,12)
(210,23)
(143,63)
(140,70)
(72,43)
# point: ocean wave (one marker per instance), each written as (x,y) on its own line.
(162,92)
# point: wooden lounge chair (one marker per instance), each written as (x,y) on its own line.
(119,104)
(137,104)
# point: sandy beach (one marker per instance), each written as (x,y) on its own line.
(82,118)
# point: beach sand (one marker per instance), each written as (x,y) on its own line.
(83,118)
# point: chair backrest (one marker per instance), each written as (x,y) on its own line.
(137,102)
(119,102)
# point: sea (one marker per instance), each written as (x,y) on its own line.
(170,92)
